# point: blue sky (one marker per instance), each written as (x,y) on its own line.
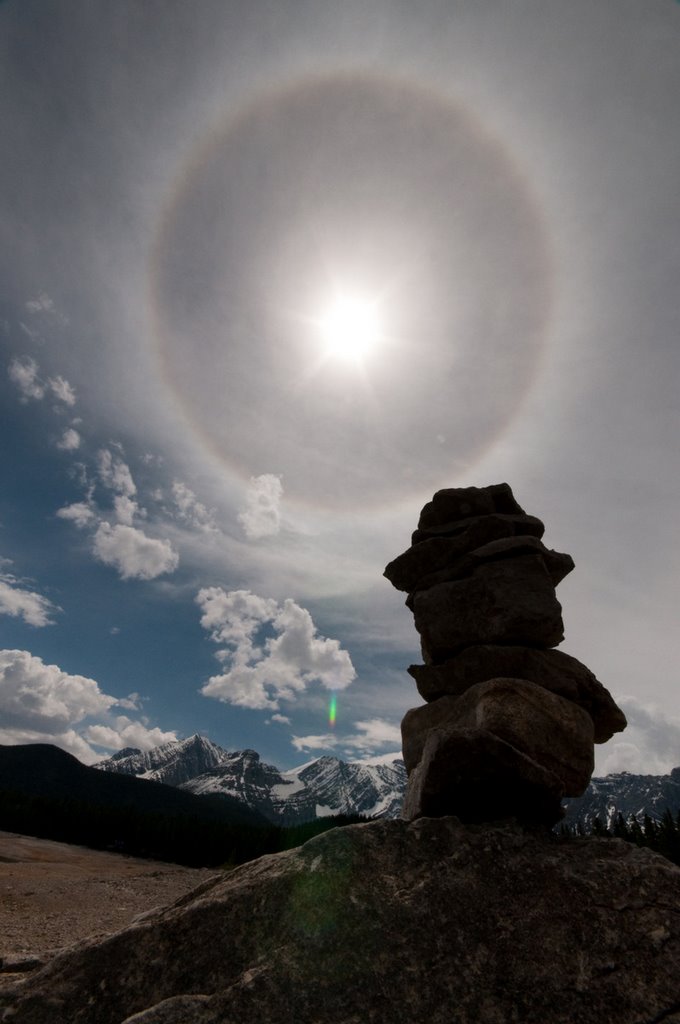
(211,449)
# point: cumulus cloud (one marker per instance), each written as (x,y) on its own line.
(191,510)
(283,719)
(115,474)
(261,517)
(80,513)
(273,651)
(371,735)
(132,553)
(24,374)
(17,601)
(649,746)
(69,440)
(41,703)
(126,509)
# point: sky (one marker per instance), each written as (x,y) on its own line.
(272,273)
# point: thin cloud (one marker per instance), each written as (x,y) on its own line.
(262,669)
(18,602)
(24,374)
(191,510)
(62,390)
(132,553)
(115,474)
(372,735)
(649,746)
(262,516)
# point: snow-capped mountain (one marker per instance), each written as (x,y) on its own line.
(322,787)
(374,787)
(626,794)
(172,763)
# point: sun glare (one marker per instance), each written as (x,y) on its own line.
(351,328)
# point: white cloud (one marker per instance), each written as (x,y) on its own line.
(649,746)
(126,509)
(18,602)
(41,697)
(132,553)
(371,735)
(261,516)
(69,440)
(191,510)
(80,513)
(40,703)
(24,373)
(115,474)
(127,733)
(283,719)
(262,670)
(323,741)
(62,390)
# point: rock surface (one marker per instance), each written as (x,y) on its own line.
(508,602)
(556,671)
(551,731)
(393,923)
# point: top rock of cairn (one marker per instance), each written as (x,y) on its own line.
(510,723)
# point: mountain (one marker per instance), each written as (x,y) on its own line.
(172,763)
(391,922)
(319,788)
(374,787)
(625,793)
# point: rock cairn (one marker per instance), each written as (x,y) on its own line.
(509,724)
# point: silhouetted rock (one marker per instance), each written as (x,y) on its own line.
(552,731)
(555,670)
(393,923)
(508,602)
(454,503)
(509,725)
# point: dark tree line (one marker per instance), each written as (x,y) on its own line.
(662,836)
(175,837)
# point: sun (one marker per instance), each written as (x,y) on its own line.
(351,327)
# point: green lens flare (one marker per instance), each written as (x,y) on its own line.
(332,710)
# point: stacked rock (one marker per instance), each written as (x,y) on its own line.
(509,724)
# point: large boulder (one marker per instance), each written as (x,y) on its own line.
(393,923)
(551,731)
(507,602)
(520,524)
(556,671)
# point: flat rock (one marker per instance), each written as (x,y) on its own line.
(556,671)
(507,602)
(521,524)
(393,923)
(552,731)
(476,775)
(449,558)
(454,503)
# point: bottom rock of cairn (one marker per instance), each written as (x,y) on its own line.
(509,724)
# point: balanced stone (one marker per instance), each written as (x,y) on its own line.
(554,732)
(556,671)
(508,602)
(509,724)
(464,502)
(440,559)
(476,776)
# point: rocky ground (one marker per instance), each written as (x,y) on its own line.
(53,895)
